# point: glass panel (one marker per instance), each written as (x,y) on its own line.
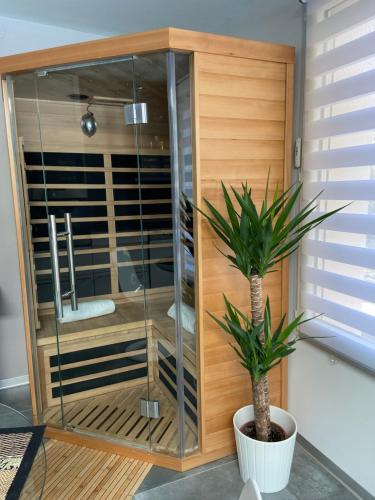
(186,248)
(157,213)
(129,190)
(94,368)
(27,237)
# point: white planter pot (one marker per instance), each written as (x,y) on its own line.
(268,464)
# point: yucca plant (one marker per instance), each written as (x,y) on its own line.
(257,241)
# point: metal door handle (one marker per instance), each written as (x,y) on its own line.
(54,248)
(70,251)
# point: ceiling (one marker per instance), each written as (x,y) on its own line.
(258,19)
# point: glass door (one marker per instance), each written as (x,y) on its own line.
(107,178)
(94,340)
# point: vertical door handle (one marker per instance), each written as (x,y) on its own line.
(54,249)
(70,252)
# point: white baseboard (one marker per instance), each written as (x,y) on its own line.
(6,383)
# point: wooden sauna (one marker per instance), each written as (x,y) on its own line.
(111,143)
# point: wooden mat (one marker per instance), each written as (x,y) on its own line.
(75,473)
(116,414)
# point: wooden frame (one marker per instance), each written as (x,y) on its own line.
(236,87)
(150,41)
(99,337)
(22,252)
(287,180)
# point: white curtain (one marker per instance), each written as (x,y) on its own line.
(338,259)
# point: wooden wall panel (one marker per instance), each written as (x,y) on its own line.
(60,122)
(241,121)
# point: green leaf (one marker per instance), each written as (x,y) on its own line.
(291,203)
(233,215)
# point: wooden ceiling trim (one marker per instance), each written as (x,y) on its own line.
(104,48)
(195,41)
(149,41)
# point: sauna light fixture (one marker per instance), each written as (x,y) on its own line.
(110,101)
(88,123)
(78,97)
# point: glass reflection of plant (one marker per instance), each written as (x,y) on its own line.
(187,244)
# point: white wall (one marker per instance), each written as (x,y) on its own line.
(17,36)
(334,404)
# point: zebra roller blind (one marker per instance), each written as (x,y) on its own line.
(338,259)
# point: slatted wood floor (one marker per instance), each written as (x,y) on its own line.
(77,473)
(116,415)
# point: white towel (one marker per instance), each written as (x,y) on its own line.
(87,310)
(187,316)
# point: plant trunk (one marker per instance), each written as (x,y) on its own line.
(256,299)
(261,399)
(261,408)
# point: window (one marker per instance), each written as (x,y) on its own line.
(338,259)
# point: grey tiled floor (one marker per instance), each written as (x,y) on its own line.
(19,399)
(16,397)
(218,480)
(221,480)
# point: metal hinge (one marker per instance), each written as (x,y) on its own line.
(298,152)
(149,408)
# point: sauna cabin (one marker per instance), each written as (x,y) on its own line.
(111,144)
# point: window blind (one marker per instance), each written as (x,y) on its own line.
(338,259)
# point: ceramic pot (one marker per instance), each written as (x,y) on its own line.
(268,464)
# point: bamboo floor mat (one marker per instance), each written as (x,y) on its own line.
(78,473)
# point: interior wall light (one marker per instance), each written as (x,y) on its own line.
(88,123)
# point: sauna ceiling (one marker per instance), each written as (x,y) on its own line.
(146,75)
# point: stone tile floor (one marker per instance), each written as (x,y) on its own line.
(218,480)
(221,480)
(19,399)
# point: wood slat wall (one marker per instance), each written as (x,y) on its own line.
(58,124)
(60,128)
(75,384)
(243,115)
(101,257)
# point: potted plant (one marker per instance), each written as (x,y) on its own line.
(258,240)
